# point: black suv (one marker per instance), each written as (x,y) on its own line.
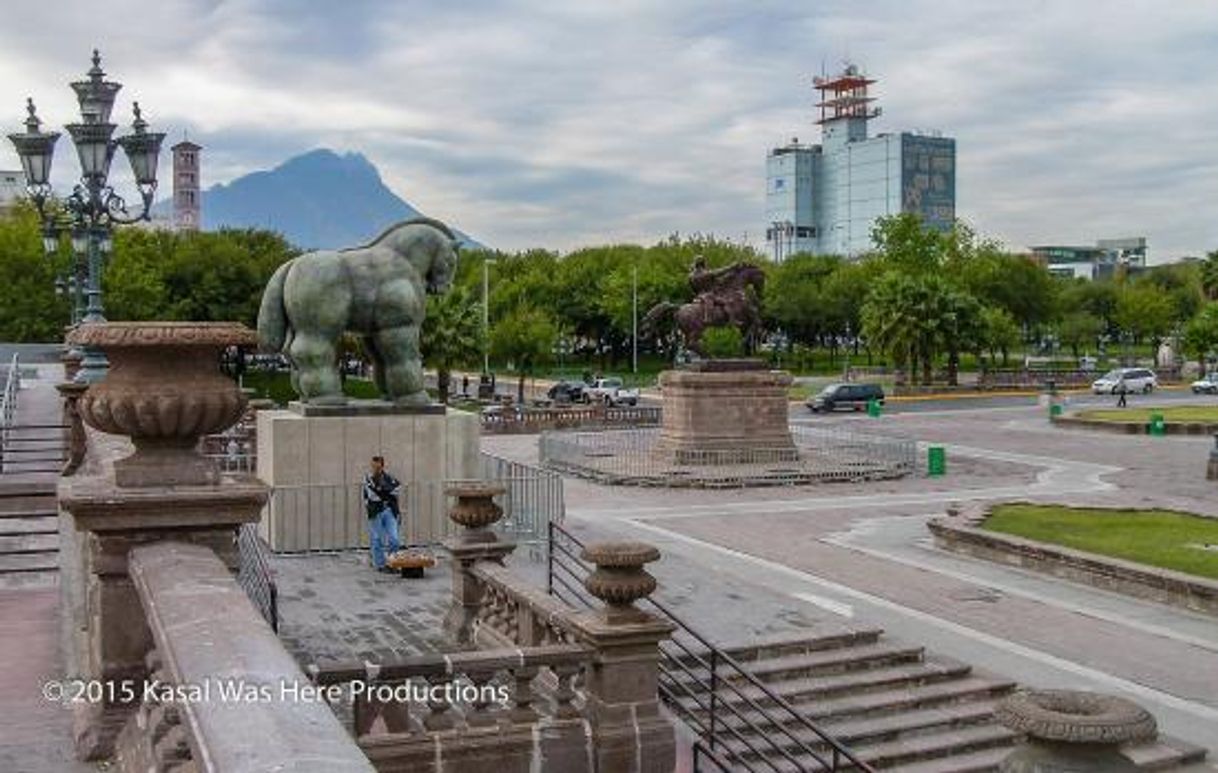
(567,392)
(854,396)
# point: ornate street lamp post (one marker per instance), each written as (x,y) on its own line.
(93,208)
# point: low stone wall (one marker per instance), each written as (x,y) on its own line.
(1133,427)
(960,533)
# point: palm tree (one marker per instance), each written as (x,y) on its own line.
(452,334)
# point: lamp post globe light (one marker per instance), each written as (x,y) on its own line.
(93,208)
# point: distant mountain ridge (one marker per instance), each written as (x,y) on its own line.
(317,200)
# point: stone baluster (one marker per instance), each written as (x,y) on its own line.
(629,732)
(476,511)
(1070,731)
(564,694)
(479,712)
(440,715)
(77,439)
(523,695)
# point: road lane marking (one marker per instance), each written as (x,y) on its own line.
(836,607)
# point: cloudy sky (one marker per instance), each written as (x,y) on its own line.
(569,122)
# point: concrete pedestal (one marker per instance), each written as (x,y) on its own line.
(729,416)
(315,464)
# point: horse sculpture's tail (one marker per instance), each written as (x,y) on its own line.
(272,316)
(663,309)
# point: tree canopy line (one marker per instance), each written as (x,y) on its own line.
(921,301)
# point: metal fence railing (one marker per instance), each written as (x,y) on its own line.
(640,457)
(255,575)
(740,721)
(332,517)
(26,448)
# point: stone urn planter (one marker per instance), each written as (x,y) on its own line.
(620,579)
(475,509)
(164,390)
(1073,732)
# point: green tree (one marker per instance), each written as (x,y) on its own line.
(30,311)
(451,335)
(1079,329)
(905,244)
(999,332)
(961,329)
(1201,334)
(524,338)
(723,342)
(1144,311)
(1209,276)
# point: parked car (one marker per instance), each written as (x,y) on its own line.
(1134,380)
(611,392)
(1206,385)
(854,396)
(567,392)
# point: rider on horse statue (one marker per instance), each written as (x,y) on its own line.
(722,297)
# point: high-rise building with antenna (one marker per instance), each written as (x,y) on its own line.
(187,196)
(825,198)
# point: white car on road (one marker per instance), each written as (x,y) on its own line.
(1134,380)
(611,392)
(1207,385)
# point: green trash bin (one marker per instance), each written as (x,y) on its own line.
(1158,427)
(874,408)
(936,461)
(1055,409)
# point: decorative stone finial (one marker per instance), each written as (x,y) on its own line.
(475,508)
(1073,731)
(620,579)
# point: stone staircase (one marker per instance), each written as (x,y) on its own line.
(895,706)
(29,532)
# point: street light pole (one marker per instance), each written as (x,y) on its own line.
(93,208)
(486,317)
(634,317)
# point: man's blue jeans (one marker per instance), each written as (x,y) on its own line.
(382,533)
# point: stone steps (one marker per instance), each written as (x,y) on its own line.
(892,705)
(37,524)
(29,529)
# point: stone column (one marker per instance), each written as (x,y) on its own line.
(77,439)
(476,510)
(629,732)
(163,391)
(1070,731)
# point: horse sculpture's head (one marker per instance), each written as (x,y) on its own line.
(443,266)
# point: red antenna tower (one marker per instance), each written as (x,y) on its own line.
(845,95)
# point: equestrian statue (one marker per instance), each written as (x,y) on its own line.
(378,291)
(724,296)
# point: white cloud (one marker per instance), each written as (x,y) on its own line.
(534,122)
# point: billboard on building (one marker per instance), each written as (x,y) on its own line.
(928,179)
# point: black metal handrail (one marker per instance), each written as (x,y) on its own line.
(681,671)
(255,575)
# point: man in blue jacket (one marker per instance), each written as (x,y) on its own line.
(380,493)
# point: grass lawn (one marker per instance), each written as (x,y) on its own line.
(1178,413)
(1156,537)
(278,387)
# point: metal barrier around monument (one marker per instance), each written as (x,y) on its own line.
(822,454)
(255,575)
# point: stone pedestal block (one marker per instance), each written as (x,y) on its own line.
(109,637)
(316,463)
(727,417)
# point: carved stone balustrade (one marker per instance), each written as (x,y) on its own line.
(502,711)
(209,638)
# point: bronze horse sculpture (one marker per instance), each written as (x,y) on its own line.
(728,296)
(378,291)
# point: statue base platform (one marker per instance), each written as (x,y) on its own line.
(316,465)
(728,416)
(725,366)
(366,408)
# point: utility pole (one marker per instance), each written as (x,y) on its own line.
(486,317)
(634,317)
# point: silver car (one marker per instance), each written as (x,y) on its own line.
(1127,380)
